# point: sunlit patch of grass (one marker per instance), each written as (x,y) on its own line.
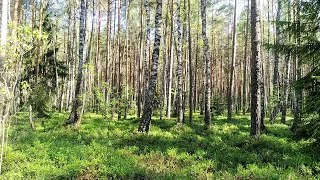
(114,149)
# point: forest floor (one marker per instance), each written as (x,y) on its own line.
(105,149)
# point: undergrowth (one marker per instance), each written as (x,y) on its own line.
(105,149)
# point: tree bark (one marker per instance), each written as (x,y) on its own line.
(76,113)
(244,85)
(207,111)
(179,67)
(255,69)
(149,99)
(298,92)
(39,43)
(140,62)
(233,61)
(106,94)
(146,49)
(286,86)
(170,65)
(4,26)
(190,67)
(276,69)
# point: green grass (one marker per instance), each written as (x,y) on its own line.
(105,149)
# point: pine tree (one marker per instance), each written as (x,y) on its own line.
(255,69)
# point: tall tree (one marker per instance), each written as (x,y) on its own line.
(233,60)
(149,99)
(276,67)
(146,49)
(244,85)
(39,42)
(107,52)
(76,112)
(179,66)
(119,88)
(207,113)
(286,86)
(190,67)
(170,64)
(4,26)
(255,69)
(298,92)
(140,62)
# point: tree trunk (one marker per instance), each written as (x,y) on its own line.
(30,117)
(255,69)
(140,62)
(39,43)
(207,111)
(190,67)
(127,60)
(233,61)
(286,86)
(76,113)
(4,26)
(149,99)
(106,94)
(165,63)
(276,69)
(146,49)
(298,92)
(119,89)
(244,85)
(179,67)
(170,65)
(15,18)
(195,92)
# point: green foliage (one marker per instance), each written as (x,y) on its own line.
(219,105)
(105,149)
(309,127)
(305,47)
(41,102)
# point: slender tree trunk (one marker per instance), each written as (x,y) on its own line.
(2,127)
(30,117)
(195,74)
(39,42)
(140,62)
(262,85)
(127,59)
(244,85)
(146,49)
(170,64)
(276,68)
(97,81)
(286,86)
(15,18)
(165,63)
(179,67)
(148,105)
(190,67)
(255,69)
(4,26)
(207,111)
(233,61)
(298,92)
(76,113)
(107,55)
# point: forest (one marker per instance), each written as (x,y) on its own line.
(160,89)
